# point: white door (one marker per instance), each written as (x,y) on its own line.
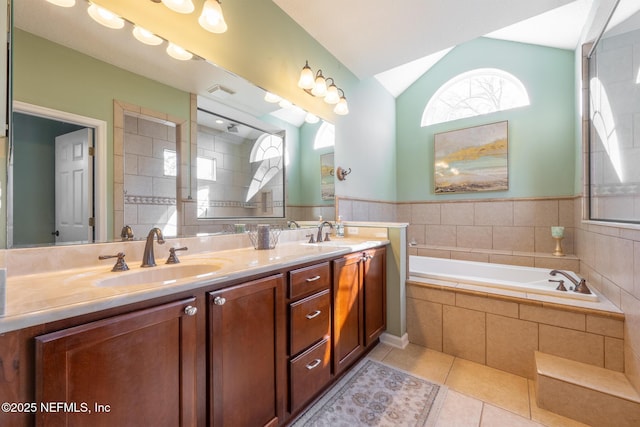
(74,186)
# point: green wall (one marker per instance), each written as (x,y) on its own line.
(541,135)
(50,75)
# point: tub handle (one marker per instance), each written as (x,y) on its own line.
(560,285)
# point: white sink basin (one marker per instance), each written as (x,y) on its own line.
(165,274)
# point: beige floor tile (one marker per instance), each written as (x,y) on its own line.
(491,385)
(460,411)
(379,352)
(421,361)
(548,418)
(493,416)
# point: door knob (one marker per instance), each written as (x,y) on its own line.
(190,310)
(219,301)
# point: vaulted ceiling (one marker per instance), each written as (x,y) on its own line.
(399,41)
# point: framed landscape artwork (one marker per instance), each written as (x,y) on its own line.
(472,159)
(327,186)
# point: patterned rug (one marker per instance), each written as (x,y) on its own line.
(375,394)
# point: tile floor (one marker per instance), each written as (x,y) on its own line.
(477,396)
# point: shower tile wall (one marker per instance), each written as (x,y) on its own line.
(150,195)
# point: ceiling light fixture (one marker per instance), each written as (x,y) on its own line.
(105,17)
(311,118)
(271,98)
(180,6)
(63,3)
(178,53)
(146,37)
(211,18)
(318,85)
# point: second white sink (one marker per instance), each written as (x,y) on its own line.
(161,274)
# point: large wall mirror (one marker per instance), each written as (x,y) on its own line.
(69,74)
(614,112)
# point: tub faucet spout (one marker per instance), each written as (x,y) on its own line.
(148,259)
(580,286)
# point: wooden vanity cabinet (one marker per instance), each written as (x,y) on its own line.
(132,369)
(374,295)
(359,305)
(246,354)
(309,318)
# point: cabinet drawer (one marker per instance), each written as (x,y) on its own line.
(309,321)
(310,372)
(309,279)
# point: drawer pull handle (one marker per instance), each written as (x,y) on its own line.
(313,364)
(313,279)
(314,314)
(219,301)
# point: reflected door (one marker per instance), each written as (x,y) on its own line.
(73,189)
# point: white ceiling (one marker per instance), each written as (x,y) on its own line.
(398,41)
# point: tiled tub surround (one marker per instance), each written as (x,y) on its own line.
(503,329)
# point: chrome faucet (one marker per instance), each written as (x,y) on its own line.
(580,286)
(320,228)
(148,259)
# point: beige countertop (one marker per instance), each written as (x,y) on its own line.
(34,299)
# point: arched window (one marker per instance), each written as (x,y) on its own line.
(268,150)
(325,137)
(476,92)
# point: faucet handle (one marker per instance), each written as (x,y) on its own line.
(173,258)
(310,236)
(560,285)
(120,265)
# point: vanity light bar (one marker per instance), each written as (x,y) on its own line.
(317,85)
(111,20)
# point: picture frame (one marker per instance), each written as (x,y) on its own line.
(327,181)
(472,159)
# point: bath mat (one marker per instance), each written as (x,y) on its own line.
(376,394)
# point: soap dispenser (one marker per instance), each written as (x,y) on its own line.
(339,227)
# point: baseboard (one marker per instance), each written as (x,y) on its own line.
(395,341)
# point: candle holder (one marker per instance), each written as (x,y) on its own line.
(558,234)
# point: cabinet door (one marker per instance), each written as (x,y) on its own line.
(129,370)
(375,295)
(247,354)
(347,308)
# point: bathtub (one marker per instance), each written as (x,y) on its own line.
(530,280)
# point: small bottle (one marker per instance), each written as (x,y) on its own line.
(339,227)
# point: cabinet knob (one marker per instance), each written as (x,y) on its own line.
(366,257)
(190,310)
(219,301)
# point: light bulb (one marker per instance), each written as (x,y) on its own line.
(211,18)
(271,97)
(286,104)
(306,77)
(341,107)
(146,37)
(332,96)
(179,53)
(311,118)
(105,17)
(180,6)
(320,86)
(63,3)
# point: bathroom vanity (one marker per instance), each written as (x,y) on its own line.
(247,346)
